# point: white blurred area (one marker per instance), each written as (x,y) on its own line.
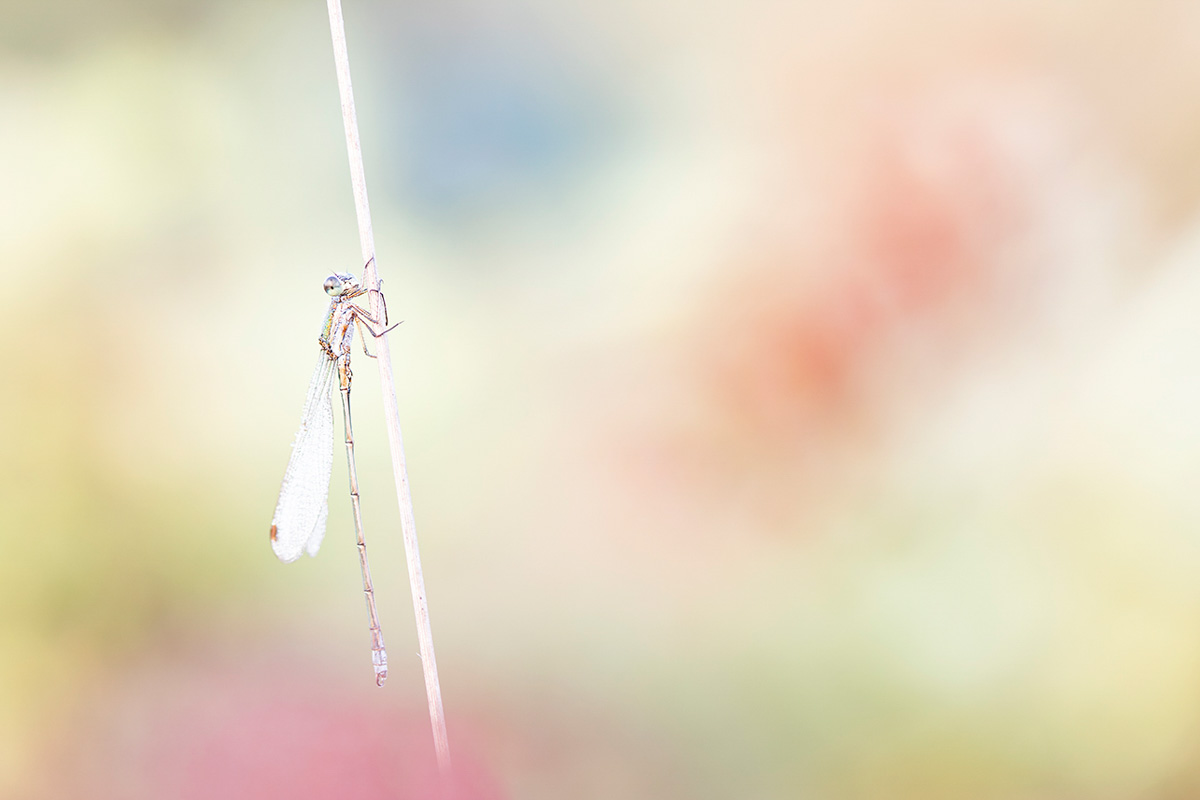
(801,399)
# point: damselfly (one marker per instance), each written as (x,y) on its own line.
(299,523)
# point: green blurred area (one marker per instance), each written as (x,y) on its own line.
(799,401)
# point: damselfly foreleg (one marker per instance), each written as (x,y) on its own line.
(364,321)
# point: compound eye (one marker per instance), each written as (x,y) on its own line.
(333,286)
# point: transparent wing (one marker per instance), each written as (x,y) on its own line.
(299,522)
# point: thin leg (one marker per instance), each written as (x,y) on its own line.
(362,331)
(382,302)
(363,314)
(378,653)
(382,299)
(367,321)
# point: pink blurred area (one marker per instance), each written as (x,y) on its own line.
(250,731)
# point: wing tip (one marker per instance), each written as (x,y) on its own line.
(284,553)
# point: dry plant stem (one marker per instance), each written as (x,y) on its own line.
(408,524)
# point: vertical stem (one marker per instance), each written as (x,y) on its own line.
(408,526)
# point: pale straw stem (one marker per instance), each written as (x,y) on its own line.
(408,526)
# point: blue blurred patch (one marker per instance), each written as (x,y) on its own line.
(489,120)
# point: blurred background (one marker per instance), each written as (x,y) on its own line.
(802,400)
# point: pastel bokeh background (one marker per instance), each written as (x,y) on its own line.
(801,399)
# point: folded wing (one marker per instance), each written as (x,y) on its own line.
(299,522)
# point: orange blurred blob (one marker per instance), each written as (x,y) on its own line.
(832,333)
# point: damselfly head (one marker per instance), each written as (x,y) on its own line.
(342,284)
